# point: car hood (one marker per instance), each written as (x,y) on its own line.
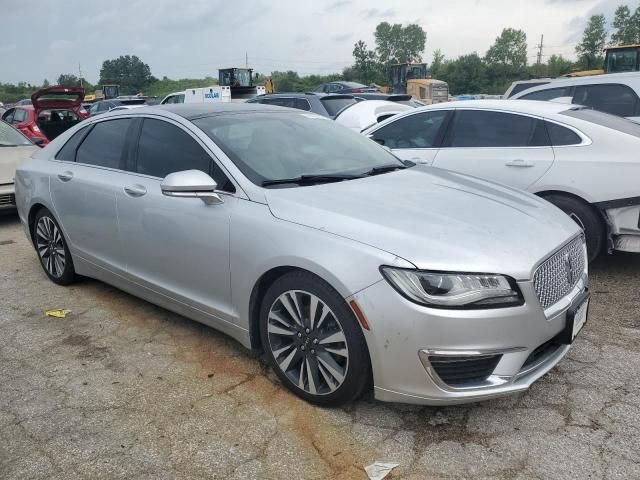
(435,219)
(57,97)
(10,158)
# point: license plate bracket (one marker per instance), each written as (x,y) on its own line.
(577,316)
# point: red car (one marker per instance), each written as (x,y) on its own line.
(53,110)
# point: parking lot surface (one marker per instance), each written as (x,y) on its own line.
(120,388)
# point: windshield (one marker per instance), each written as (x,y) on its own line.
(334,104)
(275,146)
(10,136)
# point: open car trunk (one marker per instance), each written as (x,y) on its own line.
(57,109)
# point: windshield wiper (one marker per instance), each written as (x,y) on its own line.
(386,168)
(318,178)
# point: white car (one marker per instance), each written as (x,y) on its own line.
(362,115)
(15,148)
(615,93)
(584,161)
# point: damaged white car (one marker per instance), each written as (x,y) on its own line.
(585,162)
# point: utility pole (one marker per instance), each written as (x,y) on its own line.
(246,59)
(80,74)
(540,46)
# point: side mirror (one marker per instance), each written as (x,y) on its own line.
(37,141)
(191,184)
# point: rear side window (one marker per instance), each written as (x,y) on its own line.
(68,151)
(413,131)
(104,144)
(164,148)
(334,105)
(546,95)
(609,98)
(562,136)
(475,128)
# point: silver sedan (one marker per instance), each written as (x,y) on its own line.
(348,268)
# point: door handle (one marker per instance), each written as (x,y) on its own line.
(65,176)
(518,163)
(135,190)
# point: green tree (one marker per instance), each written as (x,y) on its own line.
(467,74)
(128,71)
(634,26)
(398,44)
(366,67)
(507,58)
(68,79)
(437,64)
(624,29)
(589,50)
(558,65)
(45,83)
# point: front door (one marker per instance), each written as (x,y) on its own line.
(503,147)
(178,247)
(413,137)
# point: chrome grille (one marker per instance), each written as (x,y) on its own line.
(7,199)
(560,273)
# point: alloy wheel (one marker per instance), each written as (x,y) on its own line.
(308,342)
(50,246)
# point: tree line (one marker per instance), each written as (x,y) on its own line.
(505,61)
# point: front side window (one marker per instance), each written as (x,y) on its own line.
(477,128)
(164,148)
(413,131)
(520,87)
(609,98)
(104,144)
(546,95)
(274,146)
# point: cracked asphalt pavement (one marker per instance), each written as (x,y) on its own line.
(123,389)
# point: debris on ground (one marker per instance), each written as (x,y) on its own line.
(57,312)
(379,470)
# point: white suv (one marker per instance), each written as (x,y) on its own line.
(616,93)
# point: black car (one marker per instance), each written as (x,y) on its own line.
(103,106)
(390,97)
(320,103)
(343,87)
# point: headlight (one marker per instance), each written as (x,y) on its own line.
(454,290)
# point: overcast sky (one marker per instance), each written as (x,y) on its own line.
(193,38)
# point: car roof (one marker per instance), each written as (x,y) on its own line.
(191,111)
(532,107)
(624,77)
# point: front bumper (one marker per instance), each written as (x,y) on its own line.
(413,347)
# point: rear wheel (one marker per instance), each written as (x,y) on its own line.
(52,249)
(312,340)
(586,217)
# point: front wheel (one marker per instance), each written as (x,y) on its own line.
(312,340)
(586,217)
(52,249)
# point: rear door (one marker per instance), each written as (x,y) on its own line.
(87,173)
(414,137)
(505,147)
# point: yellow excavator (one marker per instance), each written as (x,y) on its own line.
(413,79)
(618,59)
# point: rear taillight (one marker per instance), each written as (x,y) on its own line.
(356,90)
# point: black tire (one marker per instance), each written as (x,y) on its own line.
(60,276)
(586,217)
(357,376)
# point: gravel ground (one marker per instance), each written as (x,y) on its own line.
(123,389)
